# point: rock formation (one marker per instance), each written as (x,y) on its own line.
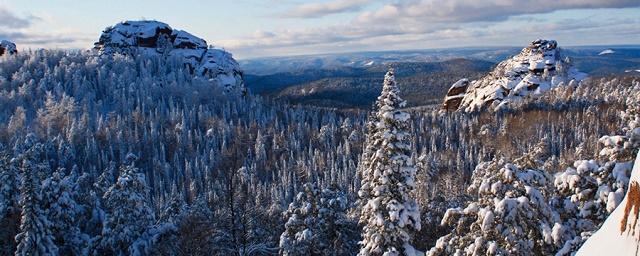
(157,38)
(455,94)
(537,68)
(7,47)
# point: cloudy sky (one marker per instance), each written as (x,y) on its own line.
(258,28)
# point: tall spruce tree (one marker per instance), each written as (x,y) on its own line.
(9,208)
(365,160)
(390,214)
(35,237)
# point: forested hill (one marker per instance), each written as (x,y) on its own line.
(421,83)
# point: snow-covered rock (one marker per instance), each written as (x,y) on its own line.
(157,38)
(537,68)
(619,233)
(7,47)
(455,94)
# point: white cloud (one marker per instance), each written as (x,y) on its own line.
(315,10)
(429,23)
(473,10)
(28,32)
(353,37)
(10,20)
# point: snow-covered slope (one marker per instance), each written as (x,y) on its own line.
(537,68)
(7,47)
(619,234)
(157,38)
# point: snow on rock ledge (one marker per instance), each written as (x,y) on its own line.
(620,233)
(455,94)
(157,38)
(537,68)
(7,47)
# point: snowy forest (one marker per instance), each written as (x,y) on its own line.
(133,154)
(98,163)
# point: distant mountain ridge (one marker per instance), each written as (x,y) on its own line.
(421,83)
(586,59)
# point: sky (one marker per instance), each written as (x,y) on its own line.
(260,28)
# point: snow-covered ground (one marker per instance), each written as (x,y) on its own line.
(610,239)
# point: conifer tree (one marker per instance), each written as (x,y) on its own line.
(364,168)
(129,216)
(62,210)
(9,208)
(390,215)
(298,237)
(335,231)
(35,237)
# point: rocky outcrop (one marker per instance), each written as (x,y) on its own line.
(157,38)
(537,68)
(455,94)
(7,47)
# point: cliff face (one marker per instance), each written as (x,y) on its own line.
(537,68)
(157,38)
(455,94)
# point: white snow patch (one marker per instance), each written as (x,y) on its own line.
(607,51)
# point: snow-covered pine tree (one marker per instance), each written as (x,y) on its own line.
(61,209)
(106,179)
(586,194)
(317,224)
(510,214)
(298,236)
(390,215)
(175,209)
(9,208)
(335,231)
(364,167)
(128,215)
(90,215)
(35,237)
(9,188)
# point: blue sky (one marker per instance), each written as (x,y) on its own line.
(258,28)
